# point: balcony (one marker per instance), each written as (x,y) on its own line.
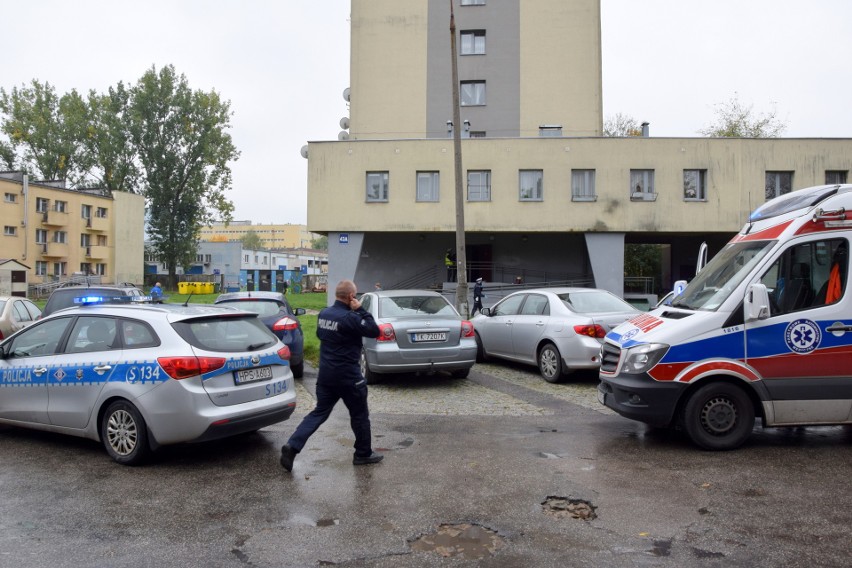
(54,218)
(99,224)
(54,250)
(97,252)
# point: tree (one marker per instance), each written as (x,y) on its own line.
(320,243)
(736,120)
(7,156)
(621,125)
(184,151)
(46,129)
(110,154)
(251,240)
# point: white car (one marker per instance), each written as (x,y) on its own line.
(136,377)
(557,329)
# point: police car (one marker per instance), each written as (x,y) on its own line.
(136,377)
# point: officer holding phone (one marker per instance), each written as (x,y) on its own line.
(340,328)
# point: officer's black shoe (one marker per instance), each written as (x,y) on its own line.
(288,454)
(375,457)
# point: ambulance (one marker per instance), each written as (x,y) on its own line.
(764,331)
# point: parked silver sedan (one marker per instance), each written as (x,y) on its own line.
(16,313)
(558,329)
(139,377)
(420,331)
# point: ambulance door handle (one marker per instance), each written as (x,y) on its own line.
(101,369)
(838,327)
(40,371)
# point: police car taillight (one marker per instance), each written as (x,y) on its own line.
(185,367)
(467,329)
(590,331)
(285,324)
(284,353)
(386,333)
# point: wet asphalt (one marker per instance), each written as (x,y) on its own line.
(461,485)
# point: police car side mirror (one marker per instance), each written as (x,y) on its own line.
(756,303)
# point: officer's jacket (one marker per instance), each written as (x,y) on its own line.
(340,330)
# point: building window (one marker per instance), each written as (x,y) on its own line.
(473,42)
(102,240)
(85,240)
(530,185)
(100,269)
(473,2)
(477,134)
(246,259)
(377,187)
(479,185)
(583,185)
(10,231)
(42,204)
(101,212)
(86,211)
(695,185)
(41,236)
(41,268)
(59,269)
(60,206)
(472,93)
(60,237)
(428,186)
(550,131)
(642,185)
(10,198)
(86,267)
(778,183)
(834,177)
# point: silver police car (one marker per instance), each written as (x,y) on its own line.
(136,377)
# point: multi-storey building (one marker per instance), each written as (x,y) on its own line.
(545,196)
(59,232)
(272,236)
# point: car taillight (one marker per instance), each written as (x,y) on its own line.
(386,333)
(467,329)
(185,367)
(591,330)
(284,353)
(285,324)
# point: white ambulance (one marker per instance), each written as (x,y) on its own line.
(764,330)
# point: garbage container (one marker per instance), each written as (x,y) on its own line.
(183,287)
(206,287)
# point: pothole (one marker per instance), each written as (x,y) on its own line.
(465,540)
(563,507)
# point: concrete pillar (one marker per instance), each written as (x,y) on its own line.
(344,253)
(606,255)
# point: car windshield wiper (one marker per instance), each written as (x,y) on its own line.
(254,346)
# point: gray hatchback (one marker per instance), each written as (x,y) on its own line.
(419,331)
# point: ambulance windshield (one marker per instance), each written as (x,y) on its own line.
(722,275)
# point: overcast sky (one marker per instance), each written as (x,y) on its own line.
(283,65)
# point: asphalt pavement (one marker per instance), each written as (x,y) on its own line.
(500,469)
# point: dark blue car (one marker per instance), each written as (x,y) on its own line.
(277,314)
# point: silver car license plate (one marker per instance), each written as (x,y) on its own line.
(244,376)
(430,336)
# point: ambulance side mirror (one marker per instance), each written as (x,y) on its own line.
(756,304)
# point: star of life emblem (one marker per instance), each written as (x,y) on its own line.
(802,336)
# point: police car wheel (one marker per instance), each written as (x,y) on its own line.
(550,363)
(369,376)
(719,416)
(124,433)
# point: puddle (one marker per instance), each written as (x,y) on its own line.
(466,540)
(563,507)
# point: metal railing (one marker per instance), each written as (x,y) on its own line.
(45,288)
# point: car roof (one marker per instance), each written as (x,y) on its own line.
(562,290)
(172,312)
(399,293)
(259,295)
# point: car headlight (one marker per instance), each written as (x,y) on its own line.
(643,357)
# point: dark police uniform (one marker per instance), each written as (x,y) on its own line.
(340,330)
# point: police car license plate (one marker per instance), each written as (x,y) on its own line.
(431,336)
(244,376)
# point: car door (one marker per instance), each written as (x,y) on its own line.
(529,326)
(91,354)
(27,360)
(496,332)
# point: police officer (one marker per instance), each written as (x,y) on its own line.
(340,328)
(477,296)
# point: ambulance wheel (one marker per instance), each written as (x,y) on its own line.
(124,433)
(550,363)
(718,416)
(369,376)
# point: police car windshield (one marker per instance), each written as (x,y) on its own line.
(722,275)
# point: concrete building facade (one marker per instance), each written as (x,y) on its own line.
(546,197)
(272,236)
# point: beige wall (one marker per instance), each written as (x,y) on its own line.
(128,224)
(735,180)
(271,235)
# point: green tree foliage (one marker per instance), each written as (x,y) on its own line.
(737,120)
(7,156)
(45,128)
(183,151)
(621,125)
(251,240)
(643,260)
(110,153)
(320,243)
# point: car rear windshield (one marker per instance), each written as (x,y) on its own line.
(594,302)
(227,334)
(414,305)
(262,308)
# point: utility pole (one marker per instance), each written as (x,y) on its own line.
(461,256)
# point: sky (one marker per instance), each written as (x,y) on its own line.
(283,65)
